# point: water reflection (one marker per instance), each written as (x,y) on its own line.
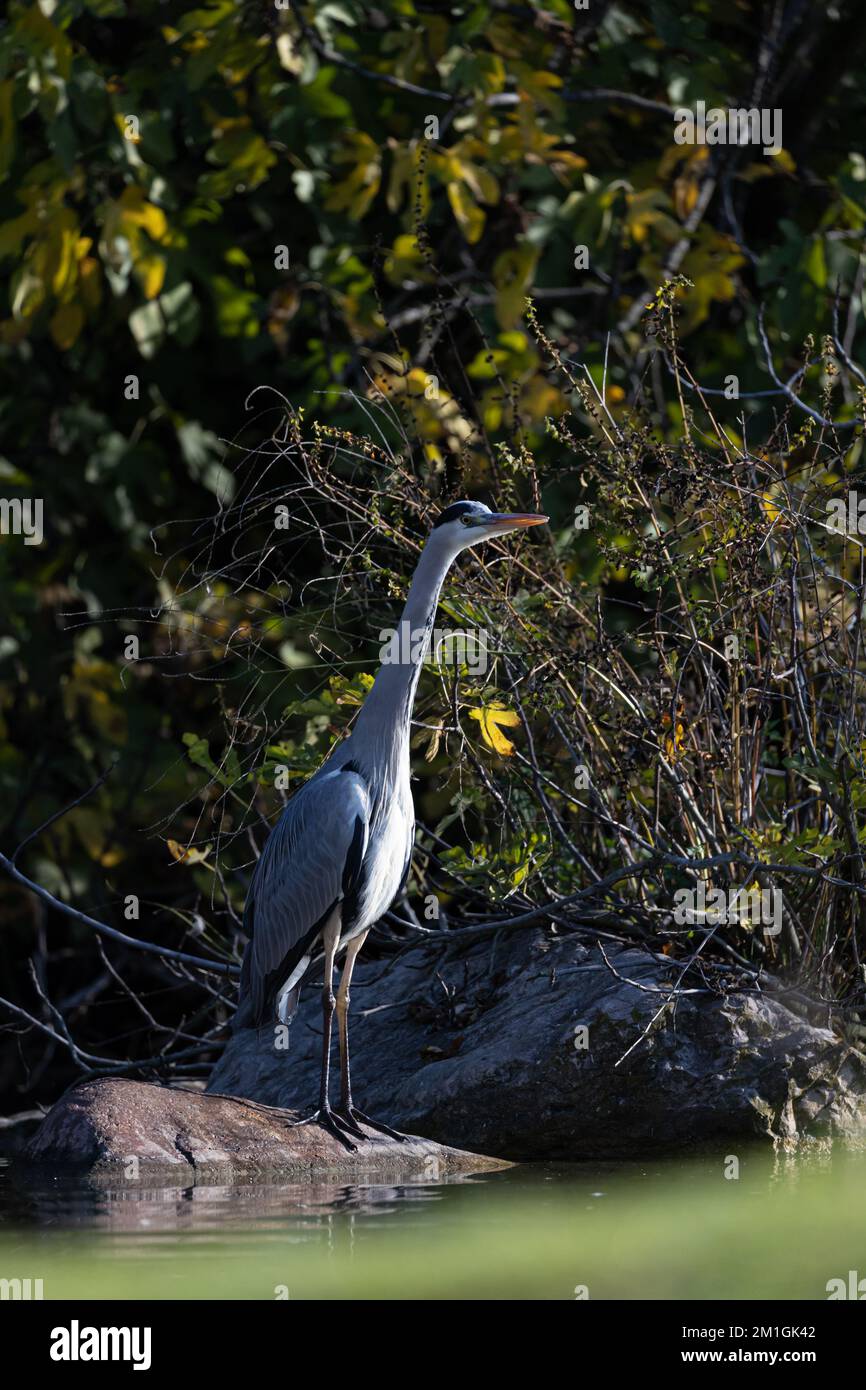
(31,1197)
(767,1225)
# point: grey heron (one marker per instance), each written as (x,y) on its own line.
(340,851)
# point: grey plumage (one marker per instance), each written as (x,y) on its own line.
(341,849)
(311,862)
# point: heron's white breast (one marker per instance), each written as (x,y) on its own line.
(384,862)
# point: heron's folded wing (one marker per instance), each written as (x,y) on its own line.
(311,859)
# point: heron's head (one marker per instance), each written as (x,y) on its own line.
(467,523)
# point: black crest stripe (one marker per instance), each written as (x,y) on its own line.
(454,511)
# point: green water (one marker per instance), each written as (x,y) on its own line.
(663,1230)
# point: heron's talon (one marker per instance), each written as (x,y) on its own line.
(329,1121)
(359,1116)
(345,1117)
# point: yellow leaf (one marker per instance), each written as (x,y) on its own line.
(647,212)
(12,233)
(512,276)
(150,271)
(188,855)
(673,746)
(685,196)
(152,220)
(405,261)
(354,194)
(132,210)
(66,324)
(785,161)
(63,259)
(469,216)
(482,183)
(769,506)
(404,173)
(491,717)
(675,740)
(90,283)
(433,745)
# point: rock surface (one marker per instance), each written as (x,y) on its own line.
(484,1051)
(131,1128)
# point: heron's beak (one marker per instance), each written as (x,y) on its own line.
(511,521)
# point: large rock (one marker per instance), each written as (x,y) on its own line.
(136,1131)
(486,1052)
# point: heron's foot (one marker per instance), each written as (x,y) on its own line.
(359,1117)
(336,1125)
(347,1121)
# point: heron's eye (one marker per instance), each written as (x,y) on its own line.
(467,520)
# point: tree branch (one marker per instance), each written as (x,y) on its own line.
(150,948)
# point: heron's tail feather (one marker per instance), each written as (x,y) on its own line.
(287,996)
(287,1004)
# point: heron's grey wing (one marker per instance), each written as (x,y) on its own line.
(311,859)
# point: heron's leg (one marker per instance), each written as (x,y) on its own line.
(343,1021)
(347,1106)
(325,1116)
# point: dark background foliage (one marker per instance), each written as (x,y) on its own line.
(196,202)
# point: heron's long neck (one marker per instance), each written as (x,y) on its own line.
(385,717)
